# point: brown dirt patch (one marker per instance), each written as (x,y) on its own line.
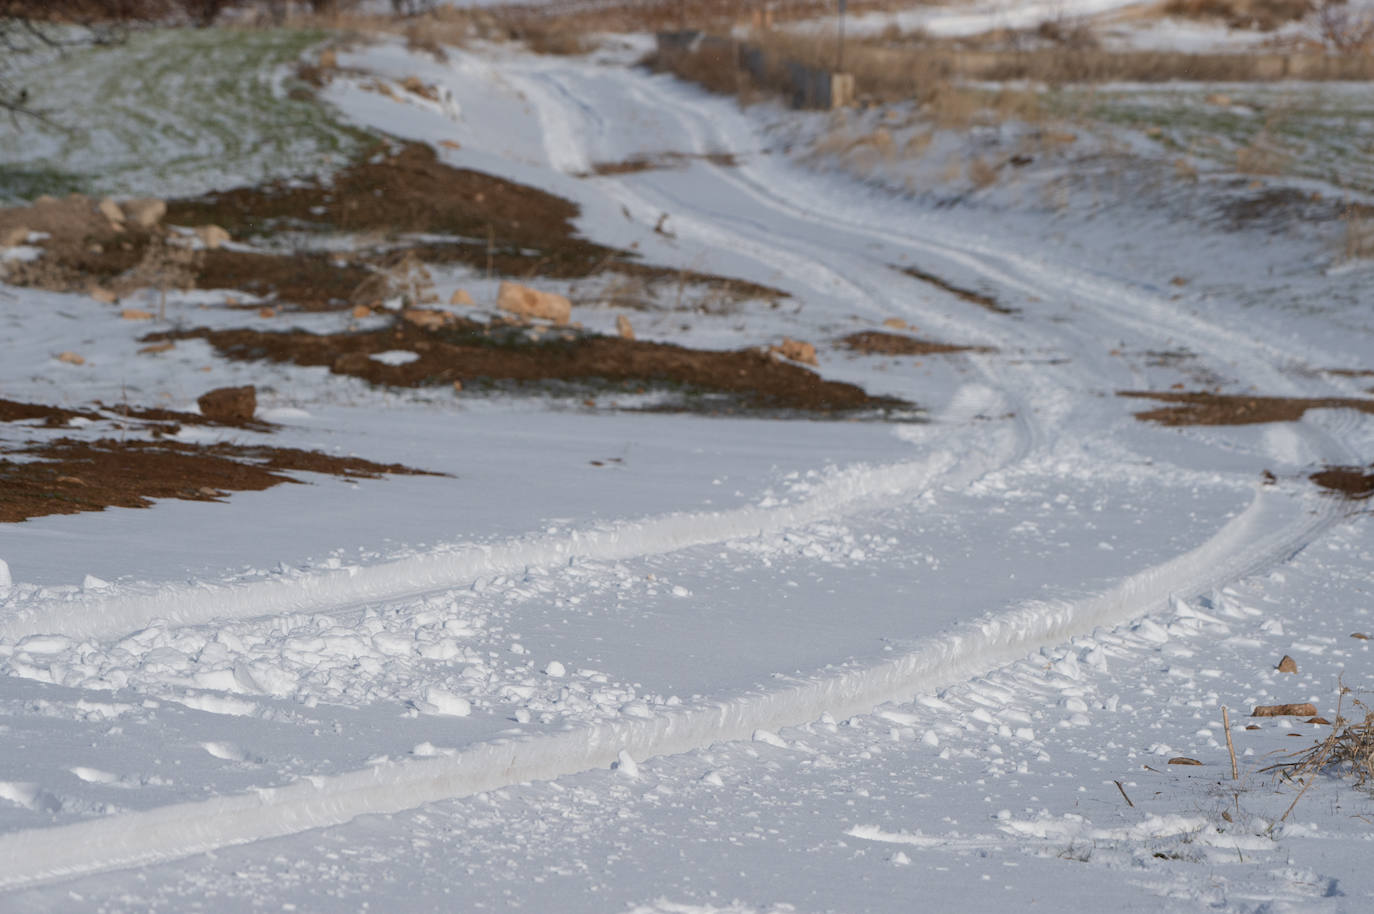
(1200,408)
(159,421)
(310,281)
(659,161)
(489,224)
(875,342)
(968,295)
(69,476)
(52,416)
(473,353)
(1352,482)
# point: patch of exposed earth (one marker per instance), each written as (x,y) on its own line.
(379,203)
(416,351)
(1203,408)
(68,476)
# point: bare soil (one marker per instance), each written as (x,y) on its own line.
(1202,408)
(1352,482)
(488,223)
(876,342)
(474,354)
(159,421)
(68,476)
(662,160)
(968,295)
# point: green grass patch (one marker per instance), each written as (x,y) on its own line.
(171,112)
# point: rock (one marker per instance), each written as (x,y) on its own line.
(145,212)
(796,350)
(1183,760)
(135,314)
(212,236)
(14,237)
(457,387)
(428,318)
(229,404)
(526,302)
(1360,635)
(103,295)
(154,348)
(622,326)
(71,358)
(1287,665)
(895,323)
(416,86)
(267,312)
(450,144)
(361,311)
(460,297)
(111,211)
(1306,709)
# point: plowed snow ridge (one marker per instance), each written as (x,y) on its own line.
(1270,529)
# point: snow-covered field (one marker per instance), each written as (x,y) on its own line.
(622,661)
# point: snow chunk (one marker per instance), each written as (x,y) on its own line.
(555,669)
(626,765)
(769,737)
(445,702)
(395,357)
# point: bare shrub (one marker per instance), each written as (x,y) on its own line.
(1262,156)
(166,265)
(1075,34)
(1359,233)
(980,173)
(1347,750)
(1342,30)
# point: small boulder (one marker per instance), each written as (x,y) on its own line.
(895,323)
(796,350)
(526,302)
(1183,760)
(212,236)
(229,404)
(103,295)
(1287,665)
(622,326)
(361,311)
(72,358)
(427,318)
(460,297)
(111,211)
(1305,709)
(145,212)
(135,314)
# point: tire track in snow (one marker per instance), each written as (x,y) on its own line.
(970,454)
(1270,529)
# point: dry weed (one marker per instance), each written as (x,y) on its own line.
(981,173)
(1359,234)
(1347,750)
(1262,156)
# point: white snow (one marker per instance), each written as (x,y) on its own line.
(800,665)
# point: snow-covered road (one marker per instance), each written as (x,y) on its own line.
(732,582)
